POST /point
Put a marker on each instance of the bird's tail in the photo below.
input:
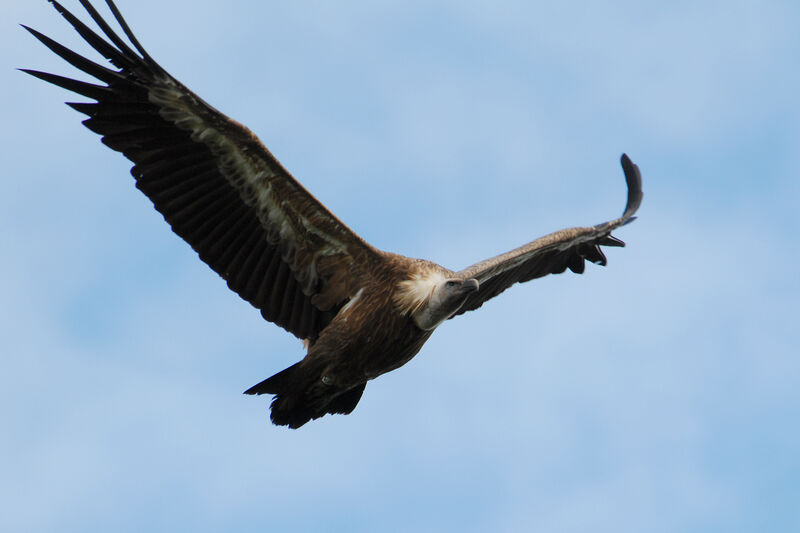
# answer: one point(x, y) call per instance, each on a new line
point(301, 395)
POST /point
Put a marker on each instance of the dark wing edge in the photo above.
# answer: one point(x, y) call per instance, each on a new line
point(215, 183)
point(553, 253)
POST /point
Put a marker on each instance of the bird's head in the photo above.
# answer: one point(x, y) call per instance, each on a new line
point(432, 299)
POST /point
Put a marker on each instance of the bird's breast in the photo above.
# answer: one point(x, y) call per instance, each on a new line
point(369, 337)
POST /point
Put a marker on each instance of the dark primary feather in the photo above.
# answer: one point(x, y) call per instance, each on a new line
point(554, 253)
point(190, 184)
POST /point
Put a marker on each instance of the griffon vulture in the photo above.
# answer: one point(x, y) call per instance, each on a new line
point(360, 311)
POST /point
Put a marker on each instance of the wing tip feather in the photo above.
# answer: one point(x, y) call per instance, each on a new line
point(633, 178)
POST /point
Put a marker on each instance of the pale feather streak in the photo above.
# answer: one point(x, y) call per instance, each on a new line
point(253, 185)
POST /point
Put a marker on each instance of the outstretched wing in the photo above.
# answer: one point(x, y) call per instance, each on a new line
point(217, 186)
point(554, 253)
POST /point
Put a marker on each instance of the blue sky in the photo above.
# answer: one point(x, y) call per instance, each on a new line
point(657, 394)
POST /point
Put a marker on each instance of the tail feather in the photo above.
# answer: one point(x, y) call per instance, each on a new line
point(301, 396)
point(346, 401)
point(291, 411)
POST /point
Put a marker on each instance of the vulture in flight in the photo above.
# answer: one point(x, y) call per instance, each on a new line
point(360, 311)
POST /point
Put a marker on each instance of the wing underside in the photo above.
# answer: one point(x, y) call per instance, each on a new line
point(553, 253)
point(214, 182)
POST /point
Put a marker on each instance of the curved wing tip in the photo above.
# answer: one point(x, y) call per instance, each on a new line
point(633, 178)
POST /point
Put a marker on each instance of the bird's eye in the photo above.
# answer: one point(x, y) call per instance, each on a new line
point(451, 283)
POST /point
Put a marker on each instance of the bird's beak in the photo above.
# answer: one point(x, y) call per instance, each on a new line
point(470, 285)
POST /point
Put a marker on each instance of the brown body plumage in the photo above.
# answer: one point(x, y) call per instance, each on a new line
point(369, 336)
point(362, 312)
